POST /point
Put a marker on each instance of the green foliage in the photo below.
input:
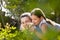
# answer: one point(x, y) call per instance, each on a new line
point(5, 33)
point(20, 6)
point(52, 34)
point(48, 6)
point(10, 33)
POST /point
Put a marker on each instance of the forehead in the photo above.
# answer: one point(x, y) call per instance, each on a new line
point(34, 16)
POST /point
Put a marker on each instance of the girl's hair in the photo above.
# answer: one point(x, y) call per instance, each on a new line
point(38, 12)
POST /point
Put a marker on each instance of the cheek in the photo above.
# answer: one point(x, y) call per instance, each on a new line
point(34, 20)
point(37, 22)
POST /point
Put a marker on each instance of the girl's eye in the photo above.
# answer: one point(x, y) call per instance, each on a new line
point(34, 19)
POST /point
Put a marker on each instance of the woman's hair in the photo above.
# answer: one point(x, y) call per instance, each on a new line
point(38, 12)
point(26, 14)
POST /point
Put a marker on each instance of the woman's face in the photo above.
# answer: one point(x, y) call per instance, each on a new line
point(25, 21)
point(36, 20)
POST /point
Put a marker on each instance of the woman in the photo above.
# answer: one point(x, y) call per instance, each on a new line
point(26, 21)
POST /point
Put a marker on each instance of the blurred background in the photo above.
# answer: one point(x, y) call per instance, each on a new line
point(10, 10)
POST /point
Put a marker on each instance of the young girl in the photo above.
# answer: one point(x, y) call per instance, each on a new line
point(38, 18)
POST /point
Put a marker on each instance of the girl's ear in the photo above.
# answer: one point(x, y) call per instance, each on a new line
point(41, 17)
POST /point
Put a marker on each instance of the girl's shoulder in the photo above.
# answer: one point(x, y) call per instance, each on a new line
point(43, 22)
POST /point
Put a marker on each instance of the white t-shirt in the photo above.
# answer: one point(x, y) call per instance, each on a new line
point(42, 22)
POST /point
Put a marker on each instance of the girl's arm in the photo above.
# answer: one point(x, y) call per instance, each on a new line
point(44, 28)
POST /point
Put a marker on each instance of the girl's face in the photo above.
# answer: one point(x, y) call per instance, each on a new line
point(25, 21)
point(36, 20)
